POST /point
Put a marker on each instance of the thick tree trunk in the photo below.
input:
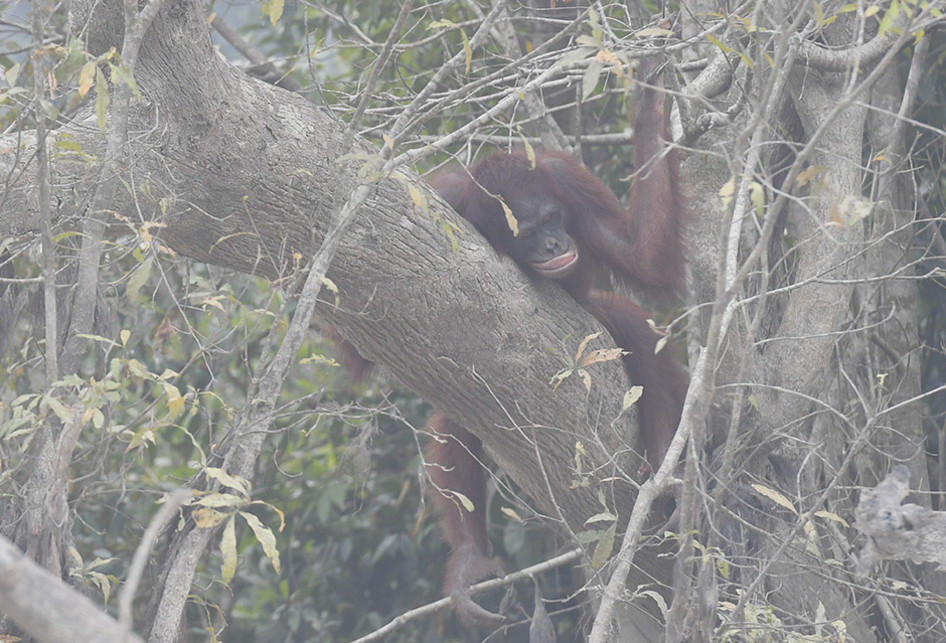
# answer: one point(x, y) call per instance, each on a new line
point(815, 371)
point(248, 175)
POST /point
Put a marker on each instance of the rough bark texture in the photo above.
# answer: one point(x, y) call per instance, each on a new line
point(29, 595)
point(251, 174)
point(803, 364)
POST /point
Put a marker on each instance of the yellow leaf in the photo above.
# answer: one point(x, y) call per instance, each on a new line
point(601, 355)
point(236, 483)
point(584, 344)
point(220, 501)
point(726, 192)
point(828, 515)
point(511, 513)
point(511, 220)
point(273, 10)
point(811, 533)
point(101, 581)
point(228, 550)
point(560, 377)
point(101, 98)
point(86, 78)
point(530, 152)
point(467, 50)
point(137, 369)
point(775, 497)
point(418, 198)
point(459, 497)
point(810, 173)
point(205, 517)
point(757, 197)
point(175, 400)
point(212, 301)
point(330, 286)
point(713, 39)
point(631, 396)
point(889, 19)
point(265, 537)
point(585, 378)
point(659, 346)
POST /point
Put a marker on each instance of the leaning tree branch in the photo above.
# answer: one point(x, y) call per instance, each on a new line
point(249, 178)
point(866, 54)
point(46, 608)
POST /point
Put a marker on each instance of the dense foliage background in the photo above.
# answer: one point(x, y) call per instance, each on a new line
point(338, 497)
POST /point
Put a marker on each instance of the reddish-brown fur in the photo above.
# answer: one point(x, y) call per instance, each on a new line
point(641, 248)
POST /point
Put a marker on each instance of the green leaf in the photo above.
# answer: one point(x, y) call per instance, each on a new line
point(886, 23)
point(575, 56)
point(11, 74)
point(605, 516)
point(57, 407)
point(589, 80)
point(560, 377)
point(604, 548)
point(101, 581)
point(138, 279)
point(437, 24)
point(595, 20)
point(273, 9)
point(722, 566)
point(120, 73)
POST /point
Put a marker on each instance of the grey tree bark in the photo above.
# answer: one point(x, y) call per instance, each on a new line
point(818, 370)
point(805, 354)
point(246, 176)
